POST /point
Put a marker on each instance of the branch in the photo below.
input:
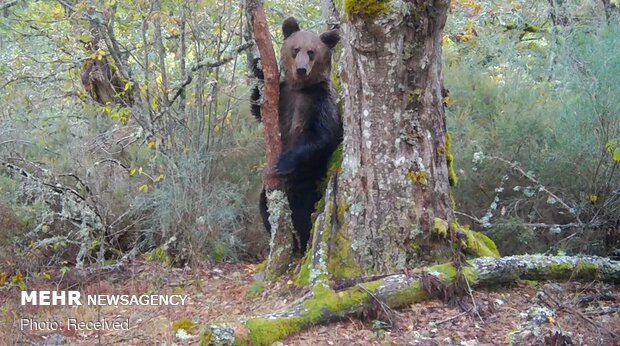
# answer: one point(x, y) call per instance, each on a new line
point(209, 64)
point(402, 290)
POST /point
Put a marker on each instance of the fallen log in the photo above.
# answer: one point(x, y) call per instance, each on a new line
point(326, 305)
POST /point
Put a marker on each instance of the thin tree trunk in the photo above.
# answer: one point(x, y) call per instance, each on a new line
point(161, 53)
point(280, 254)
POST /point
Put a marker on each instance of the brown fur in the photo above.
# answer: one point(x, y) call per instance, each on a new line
point(310, 125)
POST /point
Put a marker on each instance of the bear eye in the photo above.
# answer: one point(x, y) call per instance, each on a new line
point(311, 54)
point(295, 51)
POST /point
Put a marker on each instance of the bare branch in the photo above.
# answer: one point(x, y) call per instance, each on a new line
point(209, 64)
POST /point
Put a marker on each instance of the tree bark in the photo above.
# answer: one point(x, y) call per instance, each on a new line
point(280, 253)
point(402, 290)
point(392, 206)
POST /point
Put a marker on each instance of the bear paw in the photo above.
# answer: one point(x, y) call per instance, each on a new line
point(287, 164)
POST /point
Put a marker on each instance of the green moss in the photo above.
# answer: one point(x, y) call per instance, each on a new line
point(452, 177)
point(261, 266)
point(335, 161)
point(440, 226)
point(160, 255)
point(256, 289)
point(336, 81)
point(333, 167)
point(303, 277)
point(418, 177)
point(476, 243)
point(327, 303)
point(479, 244)
point(407, 296)
point(341, 263)
point(414, 95)
point(560, 271)
point(205, 338)
point(184, 324)
point(324, 303)
point(365, 7)
point(586, 270)
point(564, 270)
point(531, 283)
point(447, 273)
point(265, 331)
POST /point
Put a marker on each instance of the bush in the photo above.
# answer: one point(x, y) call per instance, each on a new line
point(540, 115)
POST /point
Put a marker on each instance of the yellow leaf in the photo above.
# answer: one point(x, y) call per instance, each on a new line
point(133, 171)
point(448, 101)
point(140, 170)
point(217, 129)
point(593, 198)
point(159, 80)
point(58, 12)
point(154, 105)
point(228, 119)
point(159, 178)
point(18, 279)
point(143, 188)
point(151, 144)
point(139, 45)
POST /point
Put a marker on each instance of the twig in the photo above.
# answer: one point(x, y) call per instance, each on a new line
point(14, 141)
point(453, 317)
point(528, 176)
point(559, 305)
point(209, 64)
point(386, 309)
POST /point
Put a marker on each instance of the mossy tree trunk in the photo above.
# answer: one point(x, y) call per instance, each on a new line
point(393, 189)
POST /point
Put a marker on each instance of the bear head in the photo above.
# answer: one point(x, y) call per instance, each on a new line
point(306, 57)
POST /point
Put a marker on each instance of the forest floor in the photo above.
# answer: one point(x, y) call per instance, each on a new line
point(587, 313)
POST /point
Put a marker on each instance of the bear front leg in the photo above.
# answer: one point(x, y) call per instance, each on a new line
point(312, 149)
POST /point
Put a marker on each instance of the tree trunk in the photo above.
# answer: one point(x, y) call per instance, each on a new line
point(395, 175)
point(280, 246)
point(390, 207)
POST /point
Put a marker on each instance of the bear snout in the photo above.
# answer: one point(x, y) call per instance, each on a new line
point(302, 72)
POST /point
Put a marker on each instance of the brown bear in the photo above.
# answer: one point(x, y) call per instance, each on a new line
point(310, 124)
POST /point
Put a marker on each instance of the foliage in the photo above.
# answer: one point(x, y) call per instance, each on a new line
point(535, 105)
point(170, 155)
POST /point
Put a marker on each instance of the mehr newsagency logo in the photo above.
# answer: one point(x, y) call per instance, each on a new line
point(75, 298)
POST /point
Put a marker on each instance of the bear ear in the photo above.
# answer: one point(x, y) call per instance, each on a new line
point(330, 38)
point(289, 27)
